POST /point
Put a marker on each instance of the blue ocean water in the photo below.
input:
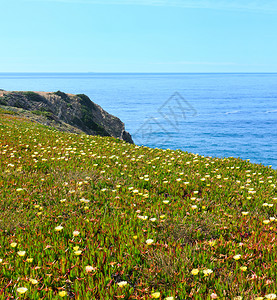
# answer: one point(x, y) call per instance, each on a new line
point(213, 114)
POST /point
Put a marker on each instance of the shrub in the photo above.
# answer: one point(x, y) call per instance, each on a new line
point(3, 101)
point(63, 95)
point(85, 101)
point(31, 96)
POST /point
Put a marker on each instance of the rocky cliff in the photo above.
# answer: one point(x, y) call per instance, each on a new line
point(75, 113)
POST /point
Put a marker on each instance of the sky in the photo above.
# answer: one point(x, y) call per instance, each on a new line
point(138, 36)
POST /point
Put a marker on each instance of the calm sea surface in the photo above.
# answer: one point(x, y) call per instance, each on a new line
point(211, 114)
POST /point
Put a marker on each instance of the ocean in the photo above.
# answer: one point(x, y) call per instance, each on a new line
point(212, 114)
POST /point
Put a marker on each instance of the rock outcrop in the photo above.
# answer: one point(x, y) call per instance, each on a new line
point(66, 112)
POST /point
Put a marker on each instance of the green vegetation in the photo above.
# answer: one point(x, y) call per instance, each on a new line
point(7, 111)
point(63, 95)
point(42, 113)
point(87, 120)
point(32, 96)
point(86, 102)
point(89, 217)
point(3, 101)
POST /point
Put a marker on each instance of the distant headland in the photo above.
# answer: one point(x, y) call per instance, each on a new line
point(66, 112)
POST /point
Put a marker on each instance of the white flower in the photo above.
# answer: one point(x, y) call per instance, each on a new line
point(84, 200)
point(22, 290)
point(58, 228)
point(143, 217)
point(122, 283)
point(33, 281)
point(245, 213)
point(90, 269)
point(149, 241)
point(207, 272)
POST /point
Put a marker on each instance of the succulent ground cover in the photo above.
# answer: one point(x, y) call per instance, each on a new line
point(87, 217)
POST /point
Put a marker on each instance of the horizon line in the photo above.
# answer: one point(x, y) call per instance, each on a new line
point(112, 72)
point(269, 7)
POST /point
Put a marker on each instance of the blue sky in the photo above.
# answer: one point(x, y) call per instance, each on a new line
point(138, 36)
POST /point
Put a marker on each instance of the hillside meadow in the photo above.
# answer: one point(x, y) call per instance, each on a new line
point(87, 217)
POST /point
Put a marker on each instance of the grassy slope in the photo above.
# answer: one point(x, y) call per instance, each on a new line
point(118, 196)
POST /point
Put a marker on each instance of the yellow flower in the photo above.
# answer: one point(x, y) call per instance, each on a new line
point(245, 213)
point(162, 216)
point(212, 243)
point(237, 257)
point(21, 253)
point(238, 298)
point(79, 252)
point(259, 298)
point(166, 201)
point(58, 228)
point(266, 221)
point(244, 268)
point(135, 237)
point(169, 298)
point(156, 295)
point(13, 245)
point(122, 283)
point(194, 271)
point(29, 259)
point(76, 248)
point(63, 293)
point(22, 290)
